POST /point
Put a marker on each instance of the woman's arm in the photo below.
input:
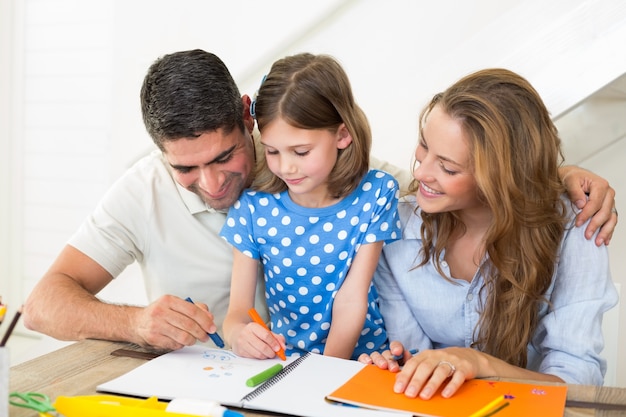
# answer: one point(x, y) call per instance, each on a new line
point(425, 372)
point(566, 345)
point(569, 339)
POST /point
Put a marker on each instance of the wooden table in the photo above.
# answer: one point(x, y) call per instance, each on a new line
point(78, 368)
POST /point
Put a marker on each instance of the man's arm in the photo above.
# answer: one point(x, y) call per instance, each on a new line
point(593, 195)
point(64, 305)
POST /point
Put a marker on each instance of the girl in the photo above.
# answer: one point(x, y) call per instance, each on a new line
point(316, 217)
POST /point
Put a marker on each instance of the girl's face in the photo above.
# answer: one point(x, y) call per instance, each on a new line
point(303, 159)
point(444, 172)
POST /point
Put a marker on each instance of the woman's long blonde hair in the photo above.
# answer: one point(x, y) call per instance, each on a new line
point(515, 154)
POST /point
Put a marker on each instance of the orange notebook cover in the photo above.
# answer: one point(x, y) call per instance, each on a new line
point(373, 388)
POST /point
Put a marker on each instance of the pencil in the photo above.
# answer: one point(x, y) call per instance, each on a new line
point(497, 410)
point(257, 319)
point(11, 327)
point(489, 407)
point(3, 311)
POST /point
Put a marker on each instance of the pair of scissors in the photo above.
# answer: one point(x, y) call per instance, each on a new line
point(35, 401)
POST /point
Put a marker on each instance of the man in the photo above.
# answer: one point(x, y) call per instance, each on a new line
point(167, 210)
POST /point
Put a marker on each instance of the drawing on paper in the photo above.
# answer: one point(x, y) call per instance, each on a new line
point(222, 363)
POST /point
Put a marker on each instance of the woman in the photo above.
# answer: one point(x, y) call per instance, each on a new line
point(491, 278)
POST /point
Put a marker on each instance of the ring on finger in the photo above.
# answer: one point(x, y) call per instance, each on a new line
point(614, 210)
point(452, 367)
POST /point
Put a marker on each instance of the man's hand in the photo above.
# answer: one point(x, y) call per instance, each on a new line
point(171, 323)
point(595, 197)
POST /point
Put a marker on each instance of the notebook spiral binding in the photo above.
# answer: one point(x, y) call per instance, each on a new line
point(273, 380)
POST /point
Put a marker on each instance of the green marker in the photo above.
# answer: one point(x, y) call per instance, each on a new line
point(264, 376)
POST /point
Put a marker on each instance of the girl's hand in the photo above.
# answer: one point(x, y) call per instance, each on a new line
point(252, 340)
point(424, 373)
point(390, 359)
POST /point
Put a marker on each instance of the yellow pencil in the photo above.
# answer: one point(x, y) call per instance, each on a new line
point(493, 404)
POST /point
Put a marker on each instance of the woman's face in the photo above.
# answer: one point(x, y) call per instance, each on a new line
point(446, 180)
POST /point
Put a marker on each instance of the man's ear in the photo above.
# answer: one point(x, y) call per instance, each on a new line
point(344, 138)
point(248, 120)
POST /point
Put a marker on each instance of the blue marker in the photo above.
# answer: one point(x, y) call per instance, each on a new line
point(214, 336)
point(400, 356)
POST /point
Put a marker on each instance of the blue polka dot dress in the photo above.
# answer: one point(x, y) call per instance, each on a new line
point(306, 254)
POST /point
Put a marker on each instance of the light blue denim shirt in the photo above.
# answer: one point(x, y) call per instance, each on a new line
point(425, 311)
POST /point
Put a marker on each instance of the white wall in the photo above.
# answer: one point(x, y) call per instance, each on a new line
point(6, 117)
point(76, 69)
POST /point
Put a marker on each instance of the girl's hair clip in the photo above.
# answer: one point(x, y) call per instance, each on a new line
point(253, 104)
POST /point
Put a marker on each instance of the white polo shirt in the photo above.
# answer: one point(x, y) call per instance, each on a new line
point(146, 216)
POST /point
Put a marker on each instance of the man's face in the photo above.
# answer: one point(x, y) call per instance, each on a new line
point(215, 166)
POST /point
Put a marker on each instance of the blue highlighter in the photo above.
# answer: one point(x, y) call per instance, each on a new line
point(215, 337)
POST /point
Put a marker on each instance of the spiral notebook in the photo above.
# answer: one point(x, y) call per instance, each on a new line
point(206, 373)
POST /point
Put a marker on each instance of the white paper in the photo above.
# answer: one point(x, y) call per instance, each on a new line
point(203, 373)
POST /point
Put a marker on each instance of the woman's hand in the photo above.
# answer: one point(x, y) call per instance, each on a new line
point(426, 372)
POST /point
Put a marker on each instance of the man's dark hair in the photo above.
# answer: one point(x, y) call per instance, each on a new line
point(188, 93)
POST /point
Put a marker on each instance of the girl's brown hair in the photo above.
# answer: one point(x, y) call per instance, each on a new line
point(313, 92)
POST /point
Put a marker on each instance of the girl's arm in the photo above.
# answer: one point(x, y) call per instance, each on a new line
point(350, 306)
point(246, 338)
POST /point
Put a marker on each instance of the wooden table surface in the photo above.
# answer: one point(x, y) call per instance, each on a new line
point(78, 368)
